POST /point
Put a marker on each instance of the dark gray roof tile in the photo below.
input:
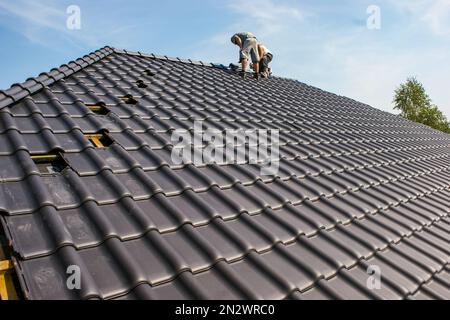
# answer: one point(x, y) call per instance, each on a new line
point(358, 276)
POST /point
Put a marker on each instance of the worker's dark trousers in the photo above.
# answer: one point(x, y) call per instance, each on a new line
point(264, 62)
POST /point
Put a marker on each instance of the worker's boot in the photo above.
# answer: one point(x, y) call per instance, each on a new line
point(234, 67)
point(243, 74)
point(257, 76)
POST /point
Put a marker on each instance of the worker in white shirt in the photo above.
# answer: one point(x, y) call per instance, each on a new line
point(266, 57)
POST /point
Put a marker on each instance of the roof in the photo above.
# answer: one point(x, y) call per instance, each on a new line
point(358, 190)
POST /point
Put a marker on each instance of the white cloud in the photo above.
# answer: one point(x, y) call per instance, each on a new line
point(36, 13)
point(434, 14)
point(410, 6)
point(266, 11)
point(438, 17)
point(34, 20)
point(266, 16)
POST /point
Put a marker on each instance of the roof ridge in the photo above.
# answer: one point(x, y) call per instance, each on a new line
point(188, 61)
point(18, 91)
point(167, 58)
point(216, 65)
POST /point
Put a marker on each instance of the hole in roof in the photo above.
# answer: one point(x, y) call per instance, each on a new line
point(98, 108)
point(3, 249)
point(100, 140)
point(149, 73)
point(141, 84)
point(128, 99)
point(48, 164)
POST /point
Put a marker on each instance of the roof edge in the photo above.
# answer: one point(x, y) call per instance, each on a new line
point(188, 61)
point(18, 91)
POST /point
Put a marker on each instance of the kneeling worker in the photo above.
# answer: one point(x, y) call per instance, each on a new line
point(248, 45)
point(266, 57)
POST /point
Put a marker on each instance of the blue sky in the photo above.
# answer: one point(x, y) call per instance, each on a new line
point(323, 43)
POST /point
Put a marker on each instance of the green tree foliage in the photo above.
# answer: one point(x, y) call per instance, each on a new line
point(415, 105)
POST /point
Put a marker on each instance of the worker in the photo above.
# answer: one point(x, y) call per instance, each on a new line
point(248, 45)
point(266, 57)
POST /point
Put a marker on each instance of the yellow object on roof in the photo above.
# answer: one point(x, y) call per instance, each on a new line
point(95, 139)
point(7, 289)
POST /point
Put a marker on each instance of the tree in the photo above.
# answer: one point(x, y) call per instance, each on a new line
point(415, 105)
